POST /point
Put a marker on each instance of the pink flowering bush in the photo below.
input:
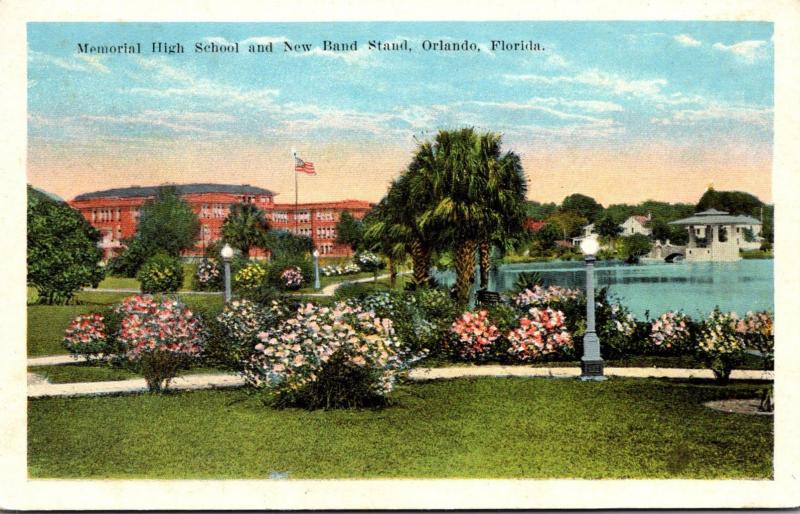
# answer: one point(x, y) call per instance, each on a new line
point(671, 333)
point(474, 335)
point(86, 336)
point(161, 337)
point(757, 330)
point(328, 357)
point(541, 332)
point(292, 278)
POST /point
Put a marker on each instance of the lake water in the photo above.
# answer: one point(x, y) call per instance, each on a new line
point(694, 287)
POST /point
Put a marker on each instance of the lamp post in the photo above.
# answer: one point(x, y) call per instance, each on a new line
point(591, 362)
point(315, 253)
point(227, 254)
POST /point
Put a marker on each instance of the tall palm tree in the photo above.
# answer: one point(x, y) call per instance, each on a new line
point(476, 195)
point(245, 227)
point(377, 235)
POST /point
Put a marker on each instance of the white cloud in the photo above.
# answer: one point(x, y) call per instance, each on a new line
point(84, 63)
point(744, 114)
point(601, 80)
point(556, 61)
point(687, 40)
point(747, 51)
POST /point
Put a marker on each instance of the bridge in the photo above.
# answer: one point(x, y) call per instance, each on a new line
point(665, 251)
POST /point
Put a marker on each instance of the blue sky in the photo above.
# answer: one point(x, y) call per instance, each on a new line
point(695, 90)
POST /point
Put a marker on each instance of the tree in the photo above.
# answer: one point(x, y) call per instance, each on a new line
point(539, 211)
point(585, 206)
point(63, 256)
point(377, 234)
point(569, 223)
point(547, 236)
point(733, 202)
point(660, 231)
point(167, 223)
point(470, 185)
point(284, 244)
point(635, 246)
point(607, 227)
point(245, 227)
point(349, 231)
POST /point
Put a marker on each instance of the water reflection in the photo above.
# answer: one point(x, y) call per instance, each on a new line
point(694, 287)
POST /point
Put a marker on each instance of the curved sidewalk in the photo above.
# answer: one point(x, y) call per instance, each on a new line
point(39, 387)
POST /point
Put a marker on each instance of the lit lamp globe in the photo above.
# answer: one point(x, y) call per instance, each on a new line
point(590, 246)
point(226, 252)
point(315, 253)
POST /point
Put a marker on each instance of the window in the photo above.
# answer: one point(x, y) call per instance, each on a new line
point(302, 216)
point(280, 216)
point(325, 215)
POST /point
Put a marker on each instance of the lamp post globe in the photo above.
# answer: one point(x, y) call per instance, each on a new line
point(591, 362)
point(227, 254)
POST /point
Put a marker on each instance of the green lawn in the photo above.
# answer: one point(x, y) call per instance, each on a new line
point(132, 283)
point(633, 361)
point(465, 428)
point(46, 323)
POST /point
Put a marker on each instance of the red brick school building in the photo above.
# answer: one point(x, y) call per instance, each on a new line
point(115, 213)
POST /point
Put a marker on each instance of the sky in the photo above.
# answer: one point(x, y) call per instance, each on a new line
point(620, 111)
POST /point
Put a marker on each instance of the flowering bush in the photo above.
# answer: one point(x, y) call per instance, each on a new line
point(540, 333)
point(757, 329)
point(292, 278)
point(329, 357)
point(86, 336)
point(232, 334)
point(161, 274)
point(208, 276)
point(540, 296)
point(348, 269)
point(475, 335)
point(250, 276)
point(368, 261)
point(161, 337)
point(670, 332)
point(720, 345)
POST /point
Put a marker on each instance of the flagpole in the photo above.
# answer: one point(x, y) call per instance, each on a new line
point(296, 221)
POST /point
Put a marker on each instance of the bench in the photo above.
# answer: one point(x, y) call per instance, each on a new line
point(488, 297)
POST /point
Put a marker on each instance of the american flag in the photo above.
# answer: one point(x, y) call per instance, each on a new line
point(302, 166)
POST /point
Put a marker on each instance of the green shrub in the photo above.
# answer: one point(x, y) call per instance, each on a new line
point(358, 290)
point(250, 276)
point(161, 274)
point(278, 265)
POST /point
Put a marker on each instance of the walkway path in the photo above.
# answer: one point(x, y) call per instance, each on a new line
point(38, 387)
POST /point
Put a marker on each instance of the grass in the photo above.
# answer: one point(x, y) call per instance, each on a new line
point(85, 372)
point(46, 323)
point(756, 254)
point(113, 282)
point(465, 428)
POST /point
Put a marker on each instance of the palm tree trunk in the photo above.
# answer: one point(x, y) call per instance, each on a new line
point(392, 273)
point(465, 267)
point(485, 250)
point(421, 259)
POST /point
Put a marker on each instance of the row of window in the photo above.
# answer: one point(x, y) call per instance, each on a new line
point(105, 214)
point(214, 210)
point(325, 248)
point(326, 233)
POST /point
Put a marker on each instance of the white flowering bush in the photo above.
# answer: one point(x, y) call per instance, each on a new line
point(328, 357)
point(670, 333)
point(541, 332)
point(208, 276)
point(332, 271)
point(292, 278)
point(540, 296)
point(720, 345)
point(368, 261)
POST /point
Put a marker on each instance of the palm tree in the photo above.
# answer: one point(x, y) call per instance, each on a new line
point(477, 196)
point(377, 235)
point(245, 227)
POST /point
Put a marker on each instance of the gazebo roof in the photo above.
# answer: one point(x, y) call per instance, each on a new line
point(715, 217)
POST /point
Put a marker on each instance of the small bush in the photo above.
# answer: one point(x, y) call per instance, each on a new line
point(278, 267)
point(474, 335)
point(161, 274)
point(305, 361)
point(541, 332)
point(249, 277)
point(86, 336)
point(162, 337)
point(292, 278)
point(671, 334)
point(757, 330)
point(208, 276)
point(719, 345)
point(368, 261)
